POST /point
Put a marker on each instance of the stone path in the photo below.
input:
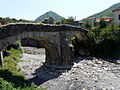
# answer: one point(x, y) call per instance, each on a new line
point(88, 73)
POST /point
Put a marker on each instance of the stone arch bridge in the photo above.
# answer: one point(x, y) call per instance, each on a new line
point(55, 38)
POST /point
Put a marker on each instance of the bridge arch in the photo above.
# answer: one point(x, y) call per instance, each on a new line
point(55, 39)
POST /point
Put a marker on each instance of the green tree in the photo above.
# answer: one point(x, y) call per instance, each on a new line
point(102, 23)
point(86, 25)
point(105, 42)
point(66, 21)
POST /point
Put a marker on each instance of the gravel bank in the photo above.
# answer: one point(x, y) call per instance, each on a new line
point(32, 59)
point(86, 74)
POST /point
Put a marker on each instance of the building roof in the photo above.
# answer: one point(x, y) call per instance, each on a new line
point(106, 18)
point(117, 9)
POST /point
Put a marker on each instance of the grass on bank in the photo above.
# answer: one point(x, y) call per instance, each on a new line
point(10, 76)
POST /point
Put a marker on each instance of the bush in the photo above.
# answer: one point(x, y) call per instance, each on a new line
point(101, 42)
point(4, 85)
point(66, 21)
point(10, 76)
point(16, 45)
point(105, 42)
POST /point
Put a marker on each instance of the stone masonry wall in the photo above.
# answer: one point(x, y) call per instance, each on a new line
point(55, 38)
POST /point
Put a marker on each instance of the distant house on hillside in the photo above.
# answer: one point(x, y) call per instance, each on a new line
point(107, 19)
point(116, 15)
point(95, 22)
point(48, 20)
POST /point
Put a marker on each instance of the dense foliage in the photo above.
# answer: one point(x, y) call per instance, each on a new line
point(12, 20)
point(102, 41)
point(66, 21)
point(105, 42)
point(86, 25)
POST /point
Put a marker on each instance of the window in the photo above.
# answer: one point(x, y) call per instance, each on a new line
point(118, 17)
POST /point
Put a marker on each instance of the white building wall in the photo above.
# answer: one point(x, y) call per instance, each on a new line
point(116, 17)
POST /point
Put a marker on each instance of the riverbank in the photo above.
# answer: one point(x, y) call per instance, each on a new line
point(10, 76)
point(87, 73)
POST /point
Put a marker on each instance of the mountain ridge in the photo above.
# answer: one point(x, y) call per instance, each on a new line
point(106, 12)
point(52, 14)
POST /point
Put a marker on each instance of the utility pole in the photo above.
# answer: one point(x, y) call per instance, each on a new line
point(1, 58)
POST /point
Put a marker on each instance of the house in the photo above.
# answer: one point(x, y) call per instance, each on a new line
point(95, 22)
point(116, 15)
point(48, 20)
point(107, 19)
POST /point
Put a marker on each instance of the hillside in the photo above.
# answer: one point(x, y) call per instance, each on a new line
point(54, 15)
point(107, 12)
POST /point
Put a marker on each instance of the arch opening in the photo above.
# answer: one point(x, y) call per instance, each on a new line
point(52, 55)
point(51, 51)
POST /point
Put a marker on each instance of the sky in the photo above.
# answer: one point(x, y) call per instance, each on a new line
point(31, 9)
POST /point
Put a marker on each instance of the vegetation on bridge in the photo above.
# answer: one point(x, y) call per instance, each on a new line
point(12, 20)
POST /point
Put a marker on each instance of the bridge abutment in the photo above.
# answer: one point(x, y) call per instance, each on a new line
point(61, 56)
point(66, 53)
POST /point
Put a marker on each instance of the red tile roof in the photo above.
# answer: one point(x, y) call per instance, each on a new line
point(106, 18)
point(117, 9)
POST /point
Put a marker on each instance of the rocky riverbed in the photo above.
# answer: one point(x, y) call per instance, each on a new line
point(87, 73)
